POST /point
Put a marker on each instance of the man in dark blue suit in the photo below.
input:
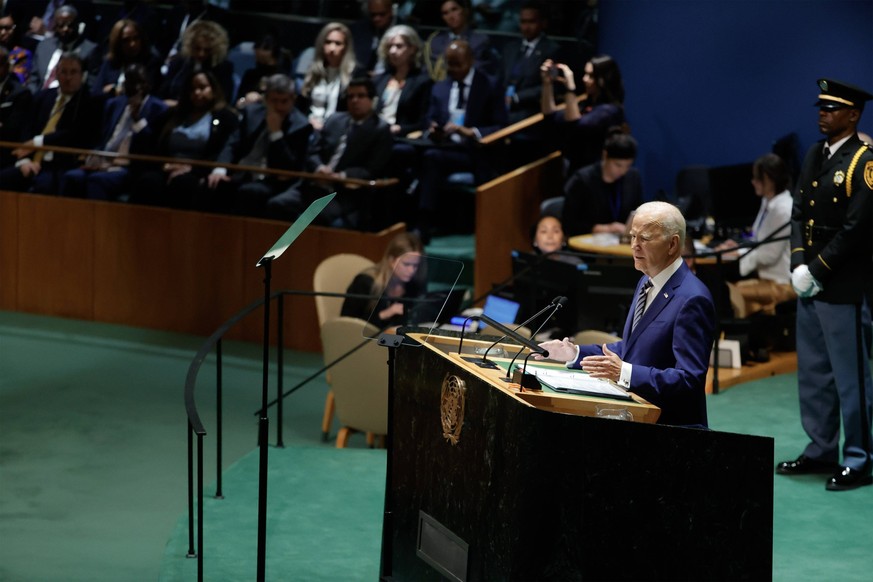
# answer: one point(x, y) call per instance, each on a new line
point(127, 117)
point(663, 355)
point(464, 108)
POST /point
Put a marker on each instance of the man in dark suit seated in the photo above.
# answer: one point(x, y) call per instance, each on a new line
point(664, 352)
point(15, 103)
point(64, 116)
point(464, 108)
point(126, 117)
point(352, 144)
point(66, 39)
point(272, 134)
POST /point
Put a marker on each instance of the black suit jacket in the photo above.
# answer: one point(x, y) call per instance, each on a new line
point(523, 73)
point(839, 204)
point(367, 150)
point(288, 153)
point(588, 200)
point(15, 108)
point(485, 108)
point(414, 99)
point(78, 126)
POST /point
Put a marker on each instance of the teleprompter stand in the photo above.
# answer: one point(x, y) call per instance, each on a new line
point(266, 262)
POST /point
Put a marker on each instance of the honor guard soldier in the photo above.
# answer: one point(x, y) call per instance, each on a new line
point(832, 272)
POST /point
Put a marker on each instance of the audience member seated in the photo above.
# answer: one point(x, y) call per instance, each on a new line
point(548, 235)
point(144, 14)
point(352, 144)
point(126, 117)
point(197, 128)
point(66, 39)
point(456, 15)
point(581, 128)
point(333, 66)
point(270, 59)
point(464, 108)
point(37, 17)
point(764, 269)
point(65, 116)
point(392, 278)
point(522, 59)
point(204, 48)
point(176, 23)
point(15, 104)
point(600, 197)
point(128, 45)
point(20, 58)
point(368, 32)
point(271, 134)
point(404, 88)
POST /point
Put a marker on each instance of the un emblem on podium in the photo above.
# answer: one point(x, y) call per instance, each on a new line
point(454, 394)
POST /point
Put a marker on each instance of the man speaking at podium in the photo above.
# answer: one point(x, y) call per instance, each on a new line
point(664, 352)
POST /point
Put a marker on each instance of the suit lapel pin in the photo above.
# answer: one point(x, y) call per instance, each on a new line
point(666, 296)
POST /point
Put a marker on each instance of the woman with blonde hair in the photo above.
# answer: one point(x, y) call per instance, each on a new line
point(395, 276)
point(204, 48)
point(333, 66)
point(404, 88)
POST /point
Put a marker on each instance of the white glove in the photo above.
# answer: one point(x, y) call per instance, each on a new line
point(805, 285)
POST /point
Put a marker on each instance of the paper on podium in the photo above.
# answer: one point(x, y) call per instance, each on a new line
point(295, 229)
point(578, 383)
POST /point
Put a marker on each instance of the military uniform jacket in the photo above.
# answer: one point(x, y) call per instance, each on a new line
point(832, 218)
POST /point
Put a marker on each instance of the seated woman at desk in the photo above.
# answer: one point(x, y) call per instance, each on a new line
point(599, 197)
point(393, 277)
point(770, 261)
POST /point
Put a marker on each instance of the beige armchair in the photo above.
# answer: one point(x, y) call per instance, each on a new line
point(334, 275)
point(593, 336)
point(360, 381)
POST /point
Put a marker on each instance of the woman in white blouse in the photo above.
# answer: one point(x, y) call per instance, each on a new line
point(766, 266)
point(333, 66)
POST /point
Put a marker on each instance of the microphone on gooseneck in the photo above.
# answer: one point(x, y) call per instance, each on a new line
point(558, 303)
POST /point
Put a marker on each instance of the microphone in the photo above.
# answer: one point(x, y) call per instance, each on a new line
point(529, 380)
point(557, 302)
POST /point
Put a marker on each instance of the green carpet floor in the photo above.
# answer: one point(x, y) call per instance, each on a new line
point(93, 468)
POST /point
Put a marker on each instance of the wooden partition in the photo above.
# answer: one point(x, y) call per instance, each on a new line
point(506, 209)
point(159, 268)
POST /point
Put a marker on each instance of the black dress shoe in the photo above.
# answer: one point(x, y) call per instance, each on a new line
point(848, 479)
point(803, 465)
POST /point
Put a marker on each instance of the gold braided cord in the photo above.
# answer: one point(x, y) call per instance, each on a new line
point(435, 68)
point(852, 165)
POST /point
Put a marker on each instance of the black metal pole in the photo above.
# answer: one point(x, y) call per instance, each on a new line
point(280, 370)
point(199, 508)
point(718, 301)
point(191, 552)
point(218, 415)
point(263, 432)
point(392, 342)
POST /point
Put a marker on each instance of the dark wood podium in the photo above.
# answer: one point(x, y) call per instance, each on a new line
point(485, 483)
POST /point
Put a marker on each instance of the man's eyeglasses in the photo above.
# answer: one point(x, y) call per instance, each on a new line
point(5, 27)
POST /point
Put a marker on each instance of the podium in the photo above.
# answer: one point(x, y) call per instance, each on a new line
point(486, 483)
